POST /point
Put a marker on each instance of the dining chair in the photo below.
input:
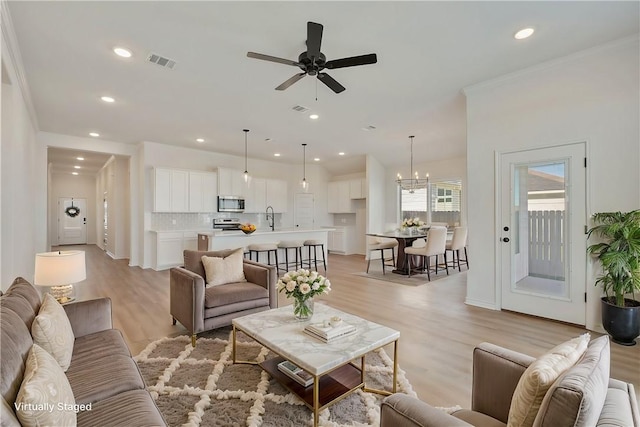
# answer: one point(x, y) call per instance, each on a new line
point(457, 242)
point(381, 244)
point(436, 245)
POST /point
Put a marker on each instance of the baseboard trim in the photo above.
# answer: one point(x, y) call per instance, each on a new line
point(481, 304)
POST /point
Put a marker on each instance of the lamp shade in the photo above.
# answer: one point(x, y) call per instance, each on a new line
point(60, 268)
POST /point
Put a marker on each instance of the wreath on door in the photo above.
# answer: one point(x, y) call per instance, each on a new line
point(72, 211)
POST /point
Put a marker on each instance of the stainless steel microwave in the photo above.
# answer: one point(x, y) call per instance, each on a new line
point(230, 204)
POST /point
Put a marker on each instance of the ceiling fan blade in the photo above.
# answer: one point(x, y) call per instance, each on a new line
point(291, 81)
point(331, 82)
point(352, 61)
point(314, 39)
point(272, 59)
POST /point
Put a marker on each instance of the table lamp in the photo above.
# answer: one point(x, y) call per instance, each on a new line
point(60, 270)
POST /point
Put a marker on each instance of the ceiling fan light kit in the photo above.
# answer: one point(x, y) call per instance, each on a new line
point(312, 62)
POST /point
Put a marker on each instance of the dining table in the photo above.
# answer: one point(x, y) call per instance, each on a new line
point(405, 238)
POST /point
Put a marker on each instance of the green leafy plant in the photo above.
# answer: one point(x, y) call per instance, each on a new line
point(618, 252)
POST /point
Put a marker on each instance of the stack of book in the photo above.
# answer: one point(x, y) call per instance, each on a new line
point(330, 333)
point(295, 373)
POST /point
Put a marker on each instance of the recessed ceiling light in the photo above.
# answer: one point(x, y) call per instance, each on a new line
point(94, 134)
point(276, 154)
point(314, 117)
point(341, 154)
point(76, 167)
point(80, 158)
point(107, 99)
point(120, 51)
point(524, 33)
point(317, 159)
point(74, 173)
point(200, 140)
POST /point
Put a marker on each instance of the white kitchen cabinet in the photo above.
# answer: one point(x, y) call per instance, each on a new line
point(357, 189)
point(276, 195)
point(203, 191)
point(256, 198)
point(171, 190)
point(231, 182)
point(169, 250)
point(339, 197)
point(342, 240)
point(336, 241)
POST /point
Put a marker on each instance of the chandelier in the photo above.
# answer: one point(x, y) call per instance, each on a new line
point(415, 183)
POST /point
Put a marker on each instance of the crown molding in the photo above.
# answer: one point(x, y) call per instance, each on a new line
point(616, 44)
point(11, 56)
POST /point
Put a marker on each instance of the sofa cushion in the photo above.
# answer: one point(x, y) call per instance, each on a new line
point(539, 376)
point(43, 390)
point(131, 408)
point(230, 293)
point(577, 397)
point(20, 306)
point(16, 343)
point(477, 418)
point(21, 286)
point(52, 331)
point(220, 271)
point(7, 416)
point(103, 343)
point(100, 377)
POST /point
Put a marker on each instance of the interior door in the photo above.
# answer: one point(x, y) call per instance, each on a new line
point(542, 241)
point(303, 210)
point(72, 221)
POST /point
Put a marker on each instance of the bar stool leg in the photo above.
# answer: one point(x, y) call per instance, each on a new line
point(324, 258)
point(315, 256)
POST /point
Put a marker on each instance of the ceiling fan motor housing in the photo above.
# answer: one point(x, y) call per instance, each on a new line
point(309, 66)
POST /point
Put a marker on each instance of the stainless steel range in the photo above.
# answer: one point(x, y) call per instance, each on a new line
point(226, 224)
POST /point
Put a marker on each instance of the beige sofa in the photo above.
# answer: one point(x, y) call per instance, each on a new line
point(102, 371)
point(200, 309)
point(584, 396)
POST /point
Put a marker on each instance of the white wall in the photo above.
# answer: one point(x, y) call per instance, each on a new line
point(23, 205)
point(592, 96)
point(78, 187)
point(113, 179)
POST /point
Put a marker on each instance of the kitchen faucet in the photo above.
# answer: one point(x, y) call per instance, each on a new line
point(271, 218)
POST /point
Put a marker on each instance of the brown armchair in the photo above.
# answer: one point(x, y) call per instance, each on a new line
point(201, 309)
point(584, 396)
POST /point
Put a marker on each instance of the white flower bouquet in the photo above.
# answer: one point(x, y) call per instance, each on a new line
point(412, 222)
point(303, 285)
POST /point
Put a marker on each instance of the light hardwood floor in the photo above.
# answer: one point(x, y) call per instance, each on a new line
point(438, 331)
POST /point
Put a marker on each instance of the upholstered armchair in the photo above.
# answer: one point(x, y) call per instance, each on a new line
point(200, 308)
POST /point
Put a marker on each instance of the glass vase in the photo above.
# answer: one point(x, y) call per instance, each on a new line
point(303, 308)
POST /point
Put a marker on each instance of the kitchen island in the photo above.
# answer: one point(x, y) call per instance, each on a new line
point(169, 244)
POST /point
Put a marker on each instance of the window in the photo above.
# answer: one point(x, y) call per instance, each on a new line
point(439, 203)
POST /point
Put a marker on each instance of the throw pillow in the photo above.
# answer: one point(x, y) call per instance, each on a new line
point(220, 271)
point(539, 376)
point(52, 331)
point(45, 392)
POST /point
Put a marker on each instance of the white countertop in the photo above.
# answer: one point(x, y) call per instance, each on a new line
point(238, 233)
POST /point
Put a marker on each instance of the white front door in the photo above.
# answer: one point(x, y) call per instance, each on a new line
point(303, 210)
point(72, 221)
point(542, 241)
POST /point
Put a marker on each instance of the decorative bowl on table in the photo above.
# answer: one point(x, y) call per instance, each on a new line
point(248, 228)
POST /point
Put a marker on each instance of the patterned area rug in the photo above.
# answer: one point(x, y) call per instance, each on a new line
point(202, 387)
point(414, 280)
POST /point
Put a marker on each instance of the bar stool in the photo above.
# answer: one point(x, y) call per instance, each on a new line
point(257, 248)
point(381, 245)
point(296, 245)
point(314, 244)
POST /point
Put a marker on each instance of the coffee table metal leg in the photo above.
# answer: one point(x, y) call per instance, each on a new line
point(316, 400)
point(234, 351)
point(233, 345)
point(395, 374)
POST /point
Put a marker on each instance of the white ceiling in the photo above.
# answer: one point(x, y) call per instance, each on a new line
point(427, 52)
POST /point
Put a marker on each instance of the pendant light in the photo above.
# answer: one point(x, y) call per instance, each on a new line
point(246, 172)
point(415, 183)
point(304, 183)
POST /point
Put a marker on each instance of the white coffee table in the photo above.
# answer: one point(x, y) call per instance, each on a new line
point(330, 364)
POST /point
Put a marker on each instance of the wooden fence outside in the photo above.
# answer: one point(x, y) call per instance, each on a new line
point(546, 244)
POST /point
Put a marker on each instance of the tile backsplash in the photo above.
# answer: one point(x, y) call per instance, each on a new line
point(199, 221)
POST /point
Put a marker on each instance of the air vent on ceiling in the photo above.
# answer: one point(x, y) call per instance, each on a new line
point(300, 108)
point(161, 61)
point(368, 128)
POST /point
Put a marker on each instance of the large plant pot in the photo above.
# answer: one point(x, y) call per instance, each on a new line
point(622, 323)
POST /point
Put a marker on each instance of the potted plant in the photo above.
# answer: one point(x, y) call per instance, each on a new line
point(619, 254)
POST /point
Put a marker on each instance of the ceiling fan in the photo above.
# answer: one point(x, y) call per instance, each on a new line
point(312, 62)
